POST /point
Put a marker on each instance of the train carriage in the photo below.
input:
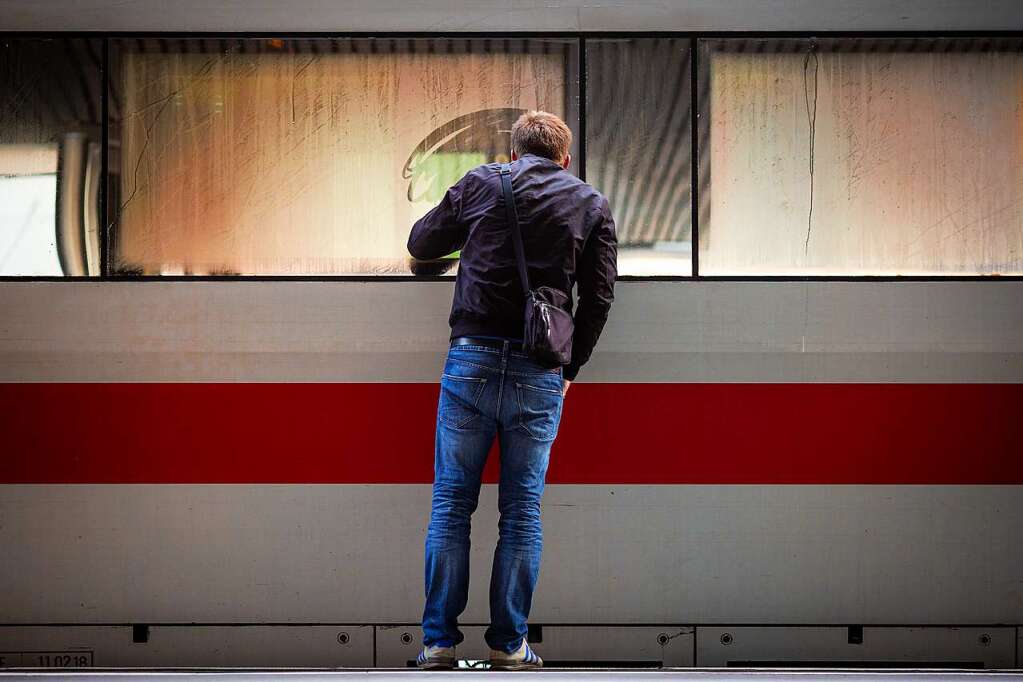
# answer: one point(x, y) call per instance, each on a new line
point(798, 441)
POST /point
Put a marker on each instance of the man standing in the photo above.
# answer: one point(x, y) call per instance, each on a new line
point(490, 386)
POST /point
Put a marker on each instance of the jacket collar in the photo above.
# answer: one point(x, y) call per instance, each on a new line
point(535, 158)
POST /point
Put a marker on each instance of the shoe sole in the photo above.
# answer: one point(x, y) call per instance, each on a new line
point(515, 666)
point(437, 665)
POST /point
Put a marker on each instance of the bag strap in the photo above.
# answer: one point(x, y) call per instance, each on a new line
point(513, 223)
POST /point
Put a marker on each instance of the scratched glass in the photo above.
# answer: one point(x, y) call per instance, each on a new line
point(638, 148)
point(861, 157)
point(308, 157)
point(50, 110)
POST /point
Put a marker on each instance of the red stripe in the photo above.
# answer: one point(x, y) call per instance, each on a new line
point(610, 433)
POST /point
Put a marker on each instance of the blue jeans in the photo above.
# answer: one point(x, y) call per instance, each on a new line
point(487, 392)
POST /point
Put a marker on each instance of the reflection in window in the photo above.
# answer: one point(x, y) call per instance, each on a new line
point(865, 156)
point(28, 218)
point(638, 148)
point(49, 156)
point(313, 156)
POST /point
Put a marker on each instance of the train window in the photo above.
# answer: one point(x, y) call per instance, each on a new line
point(50, 109)
point(638, 148)
point(307, 157)
point(845, 156)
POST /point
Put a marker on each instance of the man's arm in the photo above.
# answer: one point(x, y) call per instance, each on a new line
point(440, 231)
point(595, 278)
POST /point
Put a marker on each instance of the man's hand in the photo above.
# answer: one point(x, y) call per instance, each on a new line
point(564, 387)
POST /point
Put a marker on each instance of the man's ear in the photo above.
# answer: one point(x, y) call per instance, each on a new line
point(567, 161)
point(515, 157)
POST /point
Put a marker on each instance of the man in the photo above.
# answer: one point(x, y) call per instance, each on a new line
point(490, 387)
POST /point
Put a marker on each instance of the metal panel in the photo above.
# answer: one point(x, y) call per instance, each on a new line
point(559, 645)
point(188, 646)
point(615, 555)
point(657, 332)
point(512, 15)
point(988, 647)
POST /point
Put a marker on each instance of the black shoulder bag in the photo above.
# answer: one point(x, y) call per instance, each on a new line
point(549, 325)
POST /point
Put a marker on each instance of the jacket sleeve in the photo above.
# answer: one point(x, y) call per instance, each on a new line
point(595, 277)
point(441, 231)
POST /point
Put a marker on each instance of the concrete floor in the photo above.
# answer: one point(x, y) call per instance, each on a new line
point(551, 675)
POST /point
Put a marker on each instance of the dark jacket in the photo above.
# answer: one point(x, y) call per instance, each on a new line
point(569, 238)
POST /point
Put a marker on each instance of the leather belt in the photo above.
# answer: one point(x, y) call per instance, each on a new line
point(497, 344)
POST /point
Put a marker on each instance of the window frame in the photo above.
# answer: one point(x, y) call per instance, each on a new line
point(580, 37)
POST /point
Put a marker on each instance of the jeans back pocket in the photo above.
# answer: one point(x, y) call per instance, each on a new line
point(539, 410)
point(459, 400)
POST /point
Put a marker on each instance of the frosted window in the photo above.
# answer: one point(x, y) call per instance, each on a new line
point(638, 148)
point(28, 191)
point(309, 157)
point(874, 156)
point(49, 123)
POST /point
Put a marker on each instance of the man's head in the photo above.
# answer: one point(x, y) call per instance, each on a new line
point(542, 134)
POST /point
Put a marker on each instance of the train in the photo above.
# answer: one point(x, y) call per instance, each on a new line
point(798, 441)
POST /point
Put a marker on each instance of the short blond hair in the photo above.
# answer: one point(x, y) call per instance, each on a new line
point(541, 133)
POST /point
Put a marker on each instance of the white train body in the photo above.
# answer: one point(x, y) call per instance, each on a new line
point(208, 473)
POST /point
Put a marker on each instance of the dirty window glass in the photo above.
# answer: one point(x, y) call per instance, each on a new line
point(861, 156)
point(308, 157)
point(638, 148)
point(50, 110)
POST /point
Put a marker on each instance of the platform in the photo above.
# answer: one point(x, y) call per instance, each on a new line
point(549, 675)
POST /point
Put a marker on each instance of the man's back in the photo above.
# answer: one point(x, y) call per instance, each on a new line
point(569, 238)
point(491, 387)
